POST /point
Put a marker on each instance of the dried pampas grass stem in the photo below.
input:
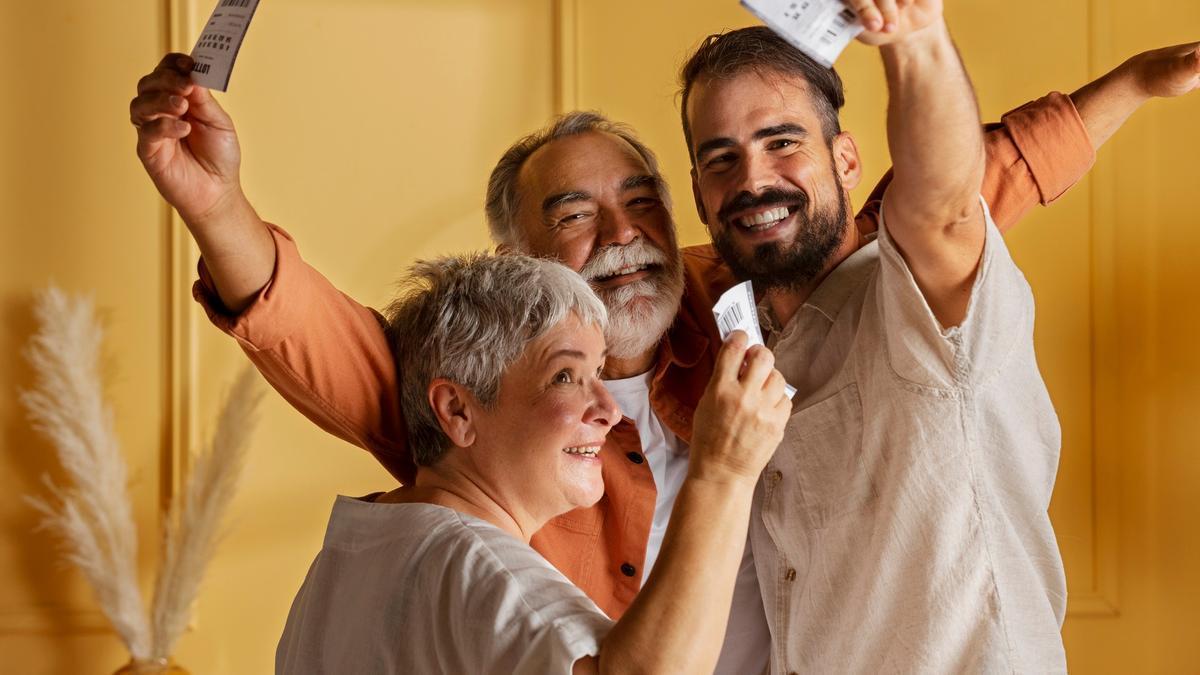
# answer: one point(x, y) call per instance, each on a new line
point(92, 514)
point(193, 523)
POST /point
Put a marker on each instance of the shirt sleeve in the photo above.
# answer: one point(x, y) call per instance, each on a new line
point(323, 352)
point(525, 617)
point(1034, 155)
point(999, 318)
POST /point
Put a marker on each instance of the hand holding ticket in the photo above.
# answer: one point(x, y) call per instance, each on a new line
point(218, 46)
point(736, 310)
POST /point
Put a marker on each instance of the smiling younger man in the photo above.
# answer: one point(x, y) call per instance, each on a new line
point(902, 525)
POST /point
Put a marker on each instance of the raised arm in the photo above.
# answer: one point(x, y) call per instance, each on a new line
point(931, 209)
point(677, 622)
point(1039, 150)
point(1105, 103)
point(1035, 154)
point(189, 147)
point(323, 352)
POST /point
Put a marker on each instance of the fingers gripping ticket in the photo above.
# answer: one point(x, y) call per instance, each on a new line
point(164, 92)
point(736, 311)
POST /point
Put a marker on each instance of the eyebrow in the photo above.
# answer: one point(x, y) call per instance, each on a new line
point(638, 182)
point(554, 201)
point(787, 128)
point(632, 183)
point(574, 353)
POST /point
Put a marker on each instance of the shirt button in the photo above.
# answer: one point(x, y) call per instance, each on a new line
point(776, 476)
point(628, 570)
point(635, 458)
point(790, 575)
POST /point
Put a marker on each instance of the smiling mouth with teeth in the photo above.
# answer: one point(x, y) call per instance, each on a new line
point(590, 451)
point(631, 269)
point(764, 221)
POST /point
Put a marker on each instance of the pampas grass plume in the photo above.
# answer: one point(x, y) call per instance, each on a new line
point(91, 515)
point(193, 522)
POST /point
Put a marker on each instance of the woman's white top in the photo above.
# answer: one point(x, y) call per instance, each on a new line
point(418, 588)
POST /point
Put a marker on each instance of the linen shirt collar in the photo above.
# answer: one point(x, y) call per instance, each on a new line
point(831, 295)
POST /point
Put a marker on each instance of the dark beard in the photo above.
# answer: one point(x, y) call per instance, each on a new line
point(774, 265)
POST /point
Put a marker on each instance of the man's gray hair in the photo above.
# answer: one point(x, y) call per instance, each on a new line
point(467, 318)
point(503, 197)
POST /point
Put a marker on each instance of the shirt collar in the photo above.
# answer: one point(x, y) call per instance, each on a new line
point(837, 287)
point(682, 346)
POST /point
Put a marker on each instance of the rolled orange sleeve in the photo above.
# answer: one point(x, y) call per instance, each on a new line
point(323, 352)
point(1054, 143)
point(1034, 155)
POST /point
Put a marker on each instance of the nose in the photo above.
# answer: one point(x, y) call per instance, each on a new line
point(617, 227)
point(604, 410)
point(755, 173)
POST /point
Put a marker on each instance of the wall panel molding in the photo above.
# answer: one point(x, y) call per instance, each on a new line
point(180, 356)
point(566, 55)
point(182, 349)
point(1102, 599)
point(54, 621)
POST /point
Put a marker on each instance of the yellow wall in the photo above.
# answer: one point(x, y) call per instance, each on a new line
point(368, 130)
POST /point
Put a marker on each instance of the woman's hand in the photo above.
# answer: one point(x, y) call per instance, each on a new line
point(740, 419)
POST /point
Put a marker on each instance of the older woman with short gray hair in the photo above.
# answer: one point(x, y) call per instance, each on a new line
point(499, 362)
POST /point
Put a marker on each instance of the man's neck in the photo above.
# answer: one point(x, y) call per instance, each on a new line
point(785, 302)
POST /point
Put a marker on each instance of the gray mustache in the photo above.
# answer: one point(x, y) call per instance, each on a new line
point(612, 259)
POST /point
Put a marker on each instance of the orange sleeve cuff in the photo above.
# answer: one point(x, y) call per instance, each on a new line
point(269, 319)
point(1053, 142)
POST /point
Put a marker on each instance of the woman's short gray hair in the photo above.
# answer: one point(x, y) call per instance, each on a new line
point(467, 318)
point(503, 197)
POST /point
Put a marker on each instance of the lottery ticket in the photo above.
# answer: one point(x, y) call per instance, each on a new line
point(736, 310)
point(819, 28)
point(218, 46)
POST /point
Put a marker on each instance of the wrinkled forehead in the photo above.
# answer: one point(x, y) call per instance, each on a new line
point(591, 162)
point(572, 338)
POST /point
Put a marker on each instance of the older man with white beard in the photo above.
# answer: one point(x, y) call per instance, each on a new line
point(583, 190)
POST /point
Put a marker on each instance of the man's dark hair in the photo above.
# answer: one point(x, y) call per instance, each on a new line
point(758, 48)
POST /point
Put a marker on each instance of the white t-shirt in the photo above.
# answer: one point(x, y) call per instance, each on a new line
point(418, 588)
point(747, 646)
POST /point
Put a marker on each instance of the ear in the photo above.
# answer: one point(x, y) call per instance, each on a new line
point(846, 160)
point(696, 196)
point(452, 405)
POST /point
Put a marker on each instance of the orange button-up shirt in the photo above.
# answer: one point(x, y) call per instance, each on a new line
point(328, 356)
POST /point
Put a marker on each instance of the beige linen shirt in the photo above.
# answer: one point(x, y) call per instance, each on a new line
point(902, 526)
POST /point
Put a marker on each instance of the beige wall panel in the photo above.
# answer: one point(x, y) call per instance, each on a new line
point(1145, 205)
point(75, 212)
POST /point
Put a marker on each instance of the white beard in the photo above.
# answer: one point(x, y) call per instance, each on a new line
point(639, 314)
